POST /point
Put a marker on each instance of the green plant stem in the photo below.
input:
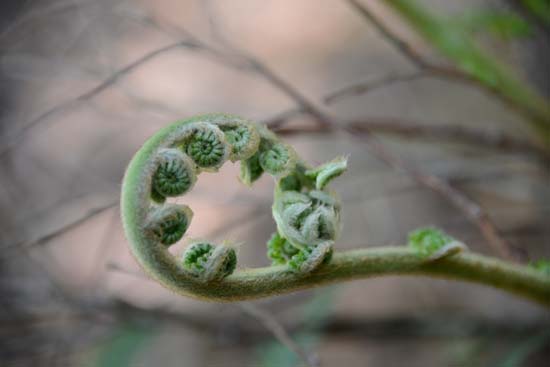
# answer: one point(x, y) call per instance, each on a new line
point(359, 264)
point(161, 265)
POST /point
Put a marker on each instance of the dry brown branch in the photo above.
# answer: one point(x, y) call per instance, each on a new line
point(373, 84)
point(8, 141)
point(177, 32)
point(117, 268)
point(484, 139)
point(275, 327)
point(473, 211)
point(186, 40)
point(253, 214)
point(63, 229)
point(37, 12)
point(102, 253)
point(400, 45)
point(279, 120)
point(236, 57)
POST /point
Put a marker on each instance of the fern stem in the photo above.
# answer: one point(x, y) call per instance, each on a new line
point(152, 225)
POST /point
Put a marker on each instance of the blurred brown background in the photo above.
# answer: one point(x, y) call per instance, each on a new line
point(85, 82)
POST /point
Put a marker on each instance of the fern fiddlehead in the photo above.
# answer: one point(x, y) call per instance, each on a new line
point(433, 244)
point(168, 224)
point(306, 211)
point(174, 176)
point(208, 262)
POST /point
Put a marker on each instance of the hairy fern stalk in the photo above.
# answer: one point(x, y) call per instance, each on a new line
point(305, 209)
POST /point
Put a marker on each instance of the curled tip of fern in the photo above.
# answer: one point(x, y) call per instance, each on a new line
point(156, 196)
point(326, 172)
point(207, 146)
point(174, 176)
point(169, 223)
point(434, 244)
point(542, 266)
point(311, 257)
point(243, 138)
point(306, 212)
point(277, 158)
point(307, 218)
point(279, 250)
point(251, 170)
point(291, 182)
point(208, 262)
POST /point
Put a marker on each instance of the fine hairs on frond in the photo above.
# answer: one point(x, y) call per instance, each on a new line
point(306, 211)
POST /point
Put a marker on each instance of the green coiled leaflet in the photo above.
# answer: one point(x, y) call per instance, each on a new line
point(306, 211)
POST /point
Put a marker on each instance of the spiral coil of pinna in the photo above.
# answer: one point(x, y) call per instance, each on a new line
point(307, 215)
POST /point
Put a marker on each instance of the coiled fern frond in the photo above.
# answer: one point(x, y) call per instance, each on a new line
point(306, 211)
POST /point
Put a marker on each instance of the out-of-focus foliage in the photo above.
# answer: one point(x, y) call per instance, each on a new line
point(504, 25)
point(540, 8)
point(314, 314)
point(426, 241)
point(458, 44)
point(474, 352)
point(518, 355)
point(468, 352)
point(122, 347)
point(542, 266)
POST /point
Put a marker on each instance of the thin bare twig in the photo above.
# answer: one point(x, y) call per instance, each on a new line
point(269, 322)
point(234, 60)
point(400, 45)
point(277, 121)
point(255, 213)
point(373, 84)
point(279, 332)
point(116, 267)
point(49, 10)
point(189, 41)
point(304, 103)
point(450, 133)
point(63, 229)
point(241, 61)
point(410, 129)
point(10, 140)
point(467, 206)
point(102, 253)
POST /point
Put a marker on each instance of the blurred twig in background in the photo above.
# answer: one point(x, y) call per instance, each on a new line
point(265, 318)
